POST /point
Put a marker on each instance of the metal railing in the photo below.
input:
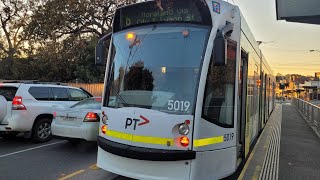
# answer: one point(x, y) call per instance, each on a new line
point(310, 111)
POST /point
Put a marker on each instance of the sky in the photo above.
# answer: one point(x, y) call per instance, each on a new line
point(290, 51)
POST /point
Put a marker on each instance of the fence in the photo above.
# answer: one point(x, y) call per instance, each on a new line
point(310, 111)
point(94, 89)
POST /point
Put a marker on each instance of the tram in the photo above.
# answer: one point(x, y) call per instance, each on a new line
point(187, 91)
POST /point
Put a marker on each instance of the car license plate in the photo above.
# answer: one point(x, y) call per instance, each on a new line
point(69, 118)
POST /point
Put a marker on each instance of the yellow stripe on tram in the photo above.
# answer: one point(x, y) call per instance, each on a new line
point(119, 135)
point(160, 140)
point(208, 141)
point(140, 139)
point(152, 140)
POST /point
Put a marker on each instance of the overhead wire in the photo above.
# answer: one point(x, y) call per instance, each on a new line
point(287, 50)
point(277, 45)
point(311, 69)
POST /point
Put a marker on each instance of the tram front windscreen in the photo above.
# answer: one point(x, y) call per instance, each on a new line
point(157, 67)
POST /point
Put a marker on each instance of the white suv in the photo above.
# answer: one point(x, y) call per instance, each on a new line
point(28, 107)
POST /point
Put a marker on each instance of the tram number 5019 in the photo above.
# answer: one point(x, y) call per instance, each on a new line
point(178, 105)
point(228, 137)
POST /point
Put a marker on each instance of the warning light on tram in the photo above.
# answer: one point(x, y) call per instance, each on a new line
point(130, 36)
point(184, 140)
point(104, 129)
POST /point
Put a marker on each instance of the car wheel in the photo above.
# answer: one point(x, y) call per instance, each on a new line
point(41, 131)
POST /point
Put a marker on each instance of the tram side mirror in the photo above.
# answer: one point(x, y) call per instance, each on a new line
point(100, 51)
point(220, 58)
point(220, 45)
point(100, 54)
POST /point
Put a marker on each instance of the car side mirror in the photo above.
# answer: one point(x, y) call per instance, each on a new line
point(100, 54)
point(100, 51)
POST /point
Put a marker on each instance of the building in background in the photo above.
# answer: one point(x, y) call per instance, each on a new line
point(312, 90)
point(295, 85)
point(317, 76)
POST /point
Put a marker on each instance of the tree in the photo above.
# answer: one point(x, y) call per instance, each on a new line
point(53, 40)
point(14, 17)
point(58, 19)
point(65, 33)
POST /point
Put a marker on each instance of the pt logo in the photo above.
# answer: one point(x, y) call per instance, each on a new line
point(131, 121)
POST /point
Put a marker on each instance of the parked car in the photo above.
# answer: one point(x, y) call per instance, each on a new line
point(79, 122)
point(27, 107)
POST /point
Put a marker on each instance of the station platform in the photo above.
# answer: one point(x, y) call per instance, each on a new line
point(288, 148)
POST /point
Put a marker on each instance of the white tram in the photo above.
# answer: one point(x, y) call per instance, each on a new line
point(187, 91)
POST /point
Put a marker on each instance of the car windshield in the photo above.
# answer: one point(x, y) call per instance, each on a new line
point(90, 103)
point(157, 67)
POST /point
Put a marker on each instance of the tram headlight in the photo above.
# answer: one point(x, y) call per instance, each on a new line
point(104, 118)
point(184, 129)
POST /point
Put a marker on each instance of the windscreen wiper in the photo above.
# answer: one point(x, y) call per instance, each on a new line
point(110, 84)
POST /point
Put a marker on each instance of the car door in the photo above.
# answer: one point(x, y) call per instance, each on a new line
point(60, 97)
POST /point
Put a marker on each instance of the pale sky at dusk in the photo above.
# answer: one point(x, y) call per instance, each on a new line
point(289, 54)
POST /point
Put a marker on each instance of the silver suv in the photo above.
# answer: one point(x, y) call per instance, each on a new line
point(28, 107)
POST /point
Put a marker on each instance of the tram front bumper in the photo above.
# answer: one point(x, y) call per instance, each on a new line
point(143, 163)
point(139, 153)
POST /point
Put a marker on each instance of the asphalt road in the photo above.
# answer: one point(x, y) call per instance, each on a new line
point(20, 158)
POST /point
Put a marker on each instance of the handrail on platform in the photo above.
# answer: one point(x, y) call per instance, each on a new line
point(310, 111)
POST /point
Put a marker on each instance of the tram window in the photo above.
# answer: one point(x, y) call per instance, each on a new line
point(218, 105)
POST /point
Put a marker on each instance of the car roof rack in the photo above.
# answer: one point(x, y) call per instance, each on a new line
point(19, 81)
point(52, 83)
point(32, 82)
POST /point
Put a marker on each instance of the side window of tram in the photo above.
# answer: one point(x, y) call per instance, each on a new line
point(218, 104)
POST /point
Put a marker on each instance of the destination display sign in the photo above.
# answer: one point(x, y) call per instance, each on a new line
point(187, 11)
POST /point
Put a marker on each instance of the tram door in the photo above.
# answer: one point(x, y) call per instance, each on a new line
point(261, 110)
point(266, 100)
point(242, 101)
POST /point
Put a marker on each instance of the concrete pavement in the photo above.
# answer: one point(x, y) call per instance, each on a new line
point(287, 149)
point(300, 147)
